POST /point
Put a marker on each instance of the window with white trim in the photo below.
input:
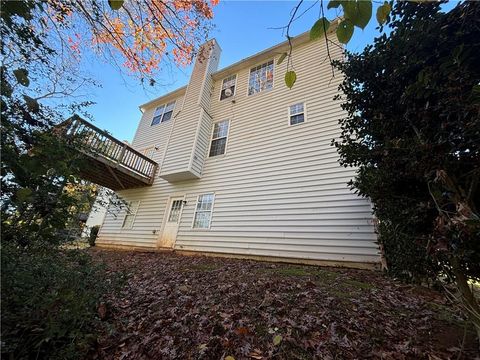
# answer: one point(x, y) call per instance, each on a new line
point(228, 87)
point(296, 114)
point(261, 78)
point(131, 213)
point(219, 138)
point(149, 152)
point(163, 113)
point(203, 211)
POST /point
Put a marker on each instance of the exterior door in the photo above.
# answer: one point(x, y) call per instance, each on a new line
point(170, 229)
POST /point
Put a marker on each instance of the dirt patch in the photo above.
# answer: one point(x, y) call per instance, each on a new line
point(195, 307)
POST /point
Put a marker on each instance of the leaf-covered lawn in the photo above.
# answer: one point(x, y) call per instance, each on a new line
point(179, 307)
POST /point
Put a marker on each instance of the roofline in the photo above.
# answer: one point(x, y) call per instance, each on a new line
point(278, 48)
point(171, 94)
point(281, 47)
point(251, 60)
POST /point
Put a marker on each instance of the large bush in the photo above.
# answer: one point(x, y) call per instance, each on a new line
point(49, 303)
point(413, 130)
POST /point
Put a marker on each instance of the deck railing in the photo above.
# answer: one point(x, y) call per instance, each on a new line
point(98, 142)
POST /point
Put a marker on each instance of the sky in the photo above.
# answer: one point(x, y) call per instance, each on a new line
point(242, 28)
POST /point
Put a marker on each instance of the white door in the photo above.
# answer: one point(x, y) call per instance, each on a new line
point(170, 229)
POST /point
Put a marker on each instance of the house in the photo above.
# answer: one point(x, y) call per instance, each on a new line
point(245, 166)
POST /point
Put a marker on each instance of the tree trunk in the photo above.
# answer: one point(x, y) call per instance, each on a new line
point(468, 298)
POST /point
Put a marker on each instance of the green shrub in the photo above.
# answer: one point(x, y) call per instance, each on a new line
point(412, 131)
point(49, 303)
point(93, 235)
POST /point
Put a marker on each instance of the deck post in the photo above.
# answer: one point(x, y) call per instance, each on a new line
point(122, 154)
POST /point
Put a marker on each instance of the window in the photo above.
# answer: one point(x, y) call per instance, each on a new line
point(219, 138)
point(296, 114)
point(228, 87)
point(261, 78)
point(175, 211)
point(203, 211)
point(149, 152)
point(163, 113)
point(132, 209)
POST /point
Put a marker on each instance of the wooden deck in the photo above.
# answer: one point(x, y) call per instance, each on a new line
point(110, 162)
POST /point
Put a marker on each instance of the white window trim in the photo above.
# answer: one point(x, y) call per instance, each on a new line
point(273, 82)
point(163, 112)
point(226, 142)
point(221, 85)
point(305, 116)
point(134, 216)
point(211, 212)
point(144, 151)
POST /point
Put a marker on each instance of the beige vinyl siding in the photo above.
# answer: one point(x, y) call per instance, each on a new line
point(207, 88)
point(181, 145)
point(156, 135)
point(279, 189)
point(202, 143)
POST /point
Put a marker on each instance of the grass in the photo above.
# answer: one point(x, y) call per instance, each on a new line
point(357, 284)
point(444, 313)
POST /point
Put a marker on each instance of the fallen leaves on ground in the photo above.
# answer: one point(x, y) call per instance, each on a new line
point(196, 307)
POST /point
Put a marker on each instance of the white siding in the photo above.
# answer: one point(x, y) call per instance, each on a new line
point(279, 190)
point(181, 146)
point(202, 142)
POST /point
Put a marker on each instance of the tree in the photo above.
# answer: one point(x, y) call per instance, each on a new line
point(42, 46)
point(351, 14)
point(413, 130)
point(49, 293)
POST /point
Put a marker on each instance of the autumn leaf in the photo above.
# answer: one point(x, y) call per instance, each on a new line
point(102, 311)
point(277, 340)
point(242, 330)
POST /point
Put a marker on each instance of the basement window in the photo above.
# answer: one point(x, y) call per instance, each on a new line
point(131, 213)
point(203, 211)
point(228, 87)
point(261, 78)
point(219, 138)
point(296, 114)
point(163, 113)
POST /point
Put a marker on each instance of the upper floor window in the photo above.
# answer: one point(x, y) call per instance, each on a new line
point(203, 211)
point(296, 114)
point(261, 78)
point(219, 138)
point(130, 215)
point(163, 113)
point(228, 87)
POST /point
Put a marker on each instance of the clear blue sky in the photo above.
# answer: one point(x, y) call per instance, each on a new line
point(241, 28)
